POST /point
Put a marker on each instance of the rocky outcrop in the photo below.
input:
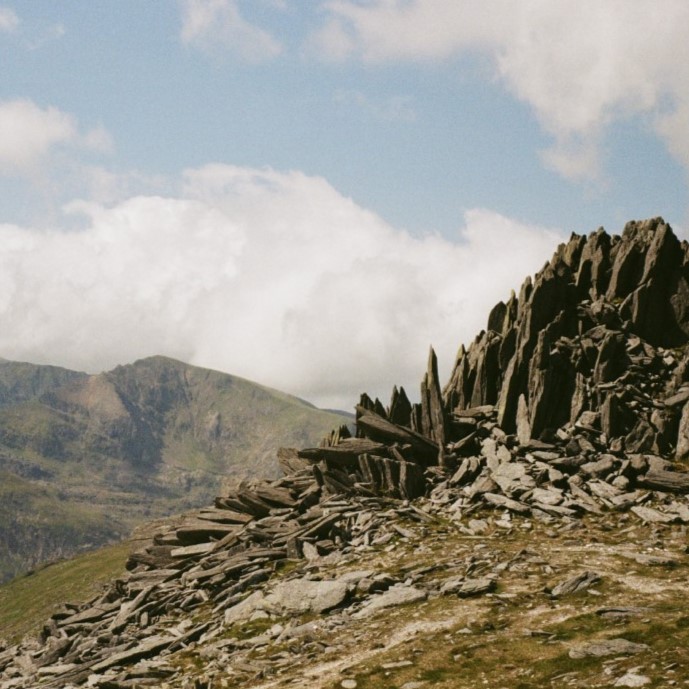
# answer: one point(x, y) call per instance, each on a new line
point(598, 336)
point(254, 558)
point(583, 336)
point(572, 405)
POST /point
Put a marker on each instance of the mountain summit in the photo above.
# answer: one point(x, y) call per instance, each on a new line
point(525, 526)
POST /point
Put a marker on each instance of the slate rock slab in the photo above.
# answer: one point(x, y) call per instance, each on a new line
point(244, 609)
point(396, 595)
point(149, 647)
point(476, 587)
point(580, 582)
point(607, 647)
point(299, 596)
point(648, 514)
point(632, 679)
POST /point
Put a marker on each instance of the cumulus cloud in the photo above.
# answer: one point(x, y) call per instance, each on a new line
point(218, 26)
point(9, 20)
point(579, 64)
point(272, 276)
point(30, 133)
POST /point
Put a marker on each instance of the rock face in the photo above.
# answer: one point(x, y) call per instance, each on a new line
point(573, 404)
point(588, 329)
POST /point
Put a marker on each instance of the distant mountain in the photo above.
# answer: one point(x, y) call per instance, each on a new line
point(143, 440)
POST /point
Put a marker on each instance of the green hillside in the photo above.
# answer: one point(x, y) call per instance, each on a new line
point(27, 601)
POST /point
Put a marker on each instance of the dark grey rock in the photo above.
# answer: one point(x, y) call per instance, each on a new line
point(580, 582)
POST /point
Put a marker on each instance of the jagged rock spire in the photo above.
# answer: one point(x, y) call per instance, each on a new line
point(569, 328)
point(432, 409)
point(574, 340)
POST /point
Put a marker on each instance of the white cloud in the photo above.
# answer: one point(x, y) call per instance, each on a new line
point(579, 64)
point(673, 127)
point(99, 140)
point(575, 158)
point(9, 20)
point(272, 276)
point(382, 30)
point(30, 133)
point(106, 187)
point(218, 26)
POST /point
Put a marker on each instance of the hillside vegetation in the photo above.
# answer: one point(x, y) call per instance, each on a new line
point(83, 458)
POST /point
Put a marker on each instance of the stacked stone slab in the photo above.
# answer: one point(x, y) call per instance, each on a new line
point(214, 558)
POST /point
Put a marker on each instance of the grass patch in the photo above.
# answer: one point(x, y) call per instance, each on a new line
point(579, 626)
point(27, 602)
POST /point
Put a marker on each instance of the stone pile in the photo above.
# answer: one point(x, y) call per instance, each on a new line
point(210, 560)
point(574, 402)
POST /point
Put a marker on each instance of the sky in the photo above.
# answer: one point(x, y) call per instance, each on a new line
point(310, 193)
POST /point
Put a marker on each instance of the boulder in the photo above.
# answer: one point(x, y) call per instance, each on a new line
point(299, 596)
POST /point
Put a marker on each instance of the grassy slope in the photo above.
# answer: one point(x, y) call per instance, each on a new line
point(27, 602)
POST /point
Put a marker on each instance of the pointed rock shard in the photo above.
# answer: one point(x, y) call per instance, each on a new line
point(569, 254)
point(657, 303)
point(400, 408)
point(486, 369)
point(432, 409)
point(612, 358)
point(379, 409)
point(497, 317)
point(592, 276)
point(455, 392)
point(412, 483)
point(628, 265)
point(615, 418)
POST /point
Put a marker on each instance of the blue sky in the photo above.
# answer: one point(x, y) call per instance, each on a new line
point(356, 179)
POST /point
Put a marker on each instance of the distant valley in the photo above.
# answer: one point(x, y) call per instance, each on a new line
point(84, 458)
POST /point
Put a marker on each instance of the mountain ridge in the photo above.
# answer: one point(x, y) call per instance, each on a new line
point(151, 438)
